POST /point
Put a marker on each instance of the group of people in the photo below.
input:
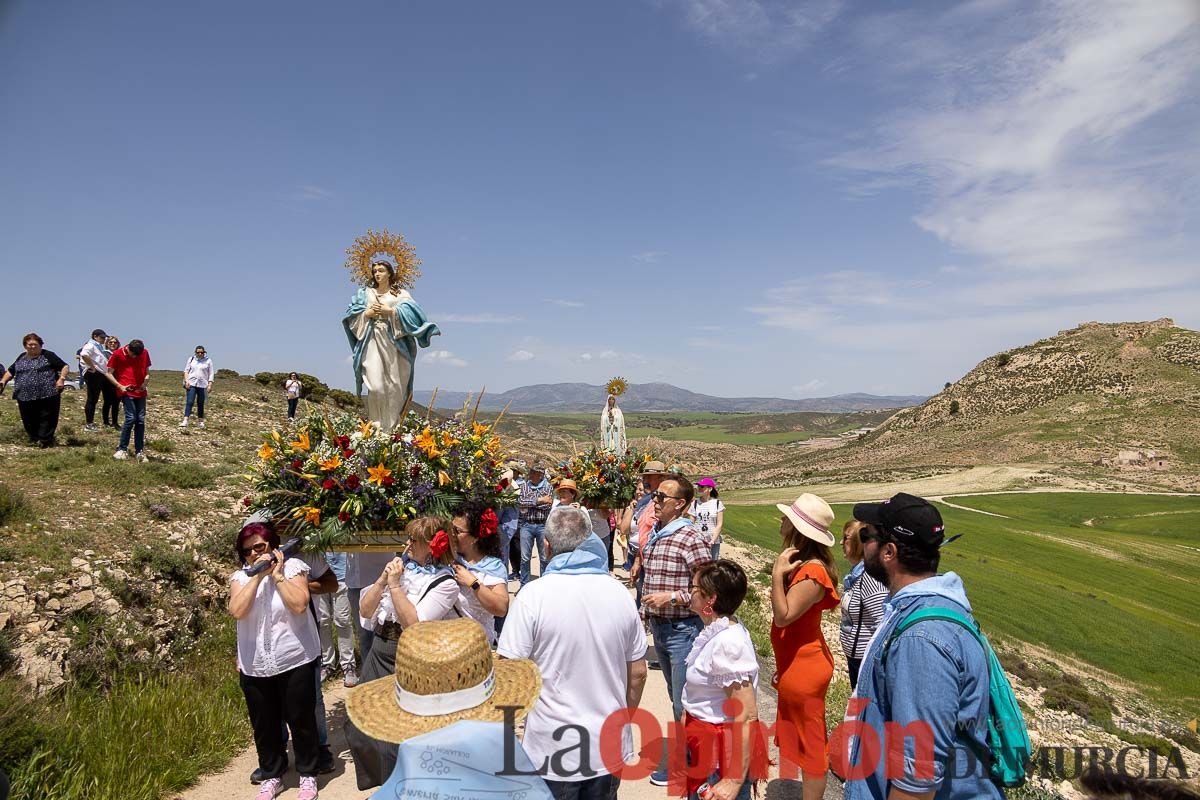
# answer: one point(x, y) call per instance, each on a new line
point(587, 634)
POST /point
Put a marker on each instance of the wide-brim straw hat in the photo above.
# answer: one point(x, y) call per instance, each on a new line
point(811, 516)
point(445, 672)
point(567, 483)
point(654, 468)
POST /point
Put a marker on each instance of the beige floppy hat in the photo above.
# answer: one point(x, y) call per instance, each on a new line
point(811, 516)
point(445, 672)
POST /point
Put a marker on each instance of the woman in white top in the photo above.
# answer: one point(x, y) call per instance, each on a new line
point(278, 655)
point(292, 387)
point(419, 587)
point(481, 575)
point(708, 512)
point(721, 667)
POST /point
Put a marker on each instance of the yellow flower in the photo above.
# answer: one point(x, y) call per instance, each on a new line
point(302, 443)
point(479, 429)
point(378, 474)
point(443, 478)
point(449, 441)
point(427, 442)
point(365, 428)
point(331, 464)
point(266, 452)
point(493, 444)
point(312, 515)
point(479, 454)
point(275, 436)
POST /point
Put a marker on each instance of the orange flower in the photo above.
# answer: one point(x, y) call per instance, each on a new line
point(378, 474)
point(302, 442)
point(331, 464)
point(427, 443)
point(479, 429)
point(266, 452)
point(443, 478)
point(311, 514)
point(365, 428)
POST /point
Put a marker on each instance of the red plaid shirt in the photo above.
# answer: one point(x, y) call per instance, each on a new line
point(668, 566)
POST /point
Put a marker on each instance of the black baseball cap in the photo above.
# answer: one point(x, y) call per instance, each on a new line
point(907, 518)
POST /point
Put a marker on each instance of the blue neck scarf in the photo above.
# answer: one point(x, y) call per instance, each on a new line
point(666, 530)
point(590, 558)
point(851, 577)
point(488, 565)
point(425, 569)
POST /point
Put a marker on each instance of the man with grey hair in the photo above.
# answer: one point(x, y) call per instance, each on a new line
point(580, 626)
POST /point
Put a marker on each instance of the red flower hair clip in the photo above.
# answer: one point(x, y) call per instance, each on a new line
point(440, 544)
point(488, 523)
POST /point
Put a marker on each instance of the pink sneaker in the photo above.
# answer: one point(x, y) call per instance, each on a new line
point(270, 789)
point(308, 789)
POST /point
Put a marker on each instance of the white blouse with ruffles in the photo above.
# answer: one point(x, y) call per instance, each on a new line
point(721, 656)
point(270, 638)
point(438, 604)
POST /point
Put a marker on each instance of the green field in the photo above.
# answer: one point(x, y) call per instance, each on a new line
point(1118, 593)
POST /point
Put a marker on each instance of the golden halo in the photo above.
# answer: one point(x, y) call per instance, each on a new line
point(617, 386)
point(403, 256)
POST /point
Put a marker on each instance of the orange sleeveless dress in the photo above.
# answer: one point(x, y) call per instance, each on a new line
point(803, 670)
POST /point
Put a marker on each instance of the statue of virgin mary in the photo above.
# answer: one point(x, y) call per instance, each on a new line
point(612, 427)
point(385, 326)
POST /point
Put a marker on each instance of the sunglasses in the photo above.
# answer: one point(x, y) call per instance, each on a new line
point(873, 534)
point(659, 496)
point(255, 549)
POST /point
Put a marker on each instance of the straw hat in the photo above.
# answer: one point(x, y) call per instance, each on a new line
point(445, 672)
point(811, 516)
point(567, 483)
point(654, 468)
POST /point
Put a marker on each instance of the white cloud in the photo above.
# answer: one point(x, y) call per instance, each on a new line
point(314, 193)
point(435, 357)
point(585, 356)
point(650, 256)
point(558, 301)
point(608, 355)
point(480, 319)
point(807, 388)
point(521, 355)
point(1056, 136)
point(763, 30)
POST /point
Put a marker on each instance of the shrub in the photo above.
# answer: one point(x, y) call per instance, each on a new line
point(1003, 359)
point(13, 505)
point(227, 373)
point(165, 562)
point(311, 388)
point(161, 445)
point(344, 399)
point(954, 407)
point(947, 386)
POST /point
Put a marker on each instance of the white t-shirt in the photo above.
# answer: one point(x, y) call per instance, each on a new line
point(363, 569)
point(599, 523)
point(705, 515)
point(438, 604)
point(581, 631)
point(721, 656)
point(270, 638)
point(98, 355)
point(469, 605)
point(293, 389)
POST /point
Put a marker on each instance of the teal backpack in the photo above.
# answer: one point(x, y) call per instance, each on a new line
point(1008, 740)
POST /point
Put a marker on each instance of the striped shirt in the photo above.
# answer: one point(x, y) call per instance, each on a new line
point(862, 611)
point(527, 496)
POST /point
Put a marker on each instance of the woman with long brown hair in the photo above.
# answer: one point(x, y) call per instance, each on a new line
point(803, 584)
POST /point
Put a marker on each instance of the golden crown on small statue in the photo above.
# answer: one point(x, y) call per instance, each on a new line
point(402, 255)
point(617, 386)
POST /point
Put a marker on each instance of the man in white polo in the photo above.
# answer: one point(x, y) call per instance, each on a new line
point(579, 625)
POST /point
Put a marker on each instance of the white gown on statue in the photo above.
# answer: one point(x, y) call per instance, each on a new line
point(386, 371)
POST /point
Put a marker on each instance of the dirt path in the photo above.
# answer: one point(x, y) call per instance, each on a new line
point(234, 781)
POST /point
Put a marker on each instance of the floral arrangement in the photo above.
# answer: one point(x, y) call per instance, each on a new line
point(605, 479)
point(334, 479)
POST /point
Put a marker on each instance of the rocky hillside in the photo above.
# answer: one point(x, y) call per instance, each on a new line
point(1115, 402)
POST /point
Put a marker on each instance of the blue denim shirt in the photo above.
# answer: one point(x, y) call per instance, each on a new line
point(337, 563)
point(937, 673)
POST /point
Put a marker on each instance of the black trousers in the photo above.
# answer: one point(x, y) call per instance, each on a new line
point(292, 403)
point(601, 787)
point(374, 760)
point(286, 697)
point(95, 383)
point(109, 411)
point(40, 418)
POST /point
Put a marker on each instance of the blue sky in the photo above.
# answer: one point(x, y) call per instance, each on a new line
point(740, 197)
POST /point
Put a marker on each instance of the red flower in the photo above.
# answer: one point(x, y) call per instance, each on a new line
point(246, 501)
point(388, 480)
point(297, 465)
point(347, 453)
point(488, 523)
point(352, 481)
point(415, 471)
point(440, 544)
point(397, 437)
point(343, 442)
point(343, 516)
point(328, 484)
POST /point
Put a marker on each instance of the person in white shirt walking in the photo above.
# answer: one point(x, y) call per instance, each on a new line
point(579, 625)
point(198, 375)
point(708, 514)
point(293, 387)
point(94, 359)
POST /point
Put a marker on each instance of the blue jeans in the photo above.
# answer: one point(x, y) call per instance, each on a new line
point(529, 533)
point(673, 641)
point(507, 531)
point(197, 395)
point(135, 422)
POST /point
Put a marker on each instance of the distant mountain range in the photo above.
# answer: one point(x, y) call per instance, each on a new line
point(568, 397)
